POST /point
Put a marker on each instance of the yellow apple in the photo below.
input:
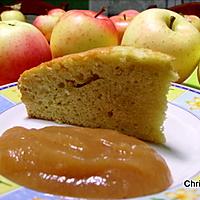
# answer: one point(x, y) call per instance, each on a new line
point(194, 20)
point(12, 15)
point(198, 73)
point(79, 30)
point(168, 32)
point(46, 23)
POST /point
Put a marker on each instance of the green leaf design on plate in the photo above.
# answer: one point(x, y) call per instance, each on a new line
point(7, 185)
point(4, 183)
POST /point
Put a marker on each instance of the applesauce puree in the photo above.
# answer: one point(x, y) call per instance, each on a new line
point(82, 162)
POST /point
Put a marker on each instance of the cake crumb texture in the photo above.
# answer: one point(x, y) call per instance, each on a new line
point(120, 88)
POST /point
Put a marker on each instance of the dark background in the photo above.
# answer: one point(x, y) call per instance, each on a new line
point(113, 7)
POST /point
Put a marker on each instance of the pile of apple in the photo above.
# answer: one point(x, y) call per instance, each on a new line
point(79, 30)
point(60, 33)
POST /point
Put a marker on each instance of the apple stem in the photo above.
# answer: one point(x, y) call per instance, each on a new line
point(172, 19)
point(15, 6)
point(46, 10)
point(101, 11)
point(124, 16)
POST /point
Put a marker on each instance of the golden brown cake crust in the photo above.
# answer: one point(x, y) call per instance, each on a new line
point(120, 88)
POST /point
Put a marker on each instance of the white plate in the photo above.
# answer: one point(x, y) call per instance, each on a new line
point(181, 151)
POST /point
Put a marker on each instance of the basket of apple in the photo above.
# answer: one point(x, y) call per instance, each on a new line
point(60, 32)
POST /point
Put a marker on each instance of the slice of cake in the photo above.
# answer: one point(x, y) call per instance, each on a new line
point(119, 88)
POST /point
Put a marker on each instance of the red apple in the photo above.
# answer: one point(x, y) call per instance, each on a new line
point(46, 23)
point(56, 12)
point(22, 47)
point(80, 30)
point(87, 12)
point(121, 22)
point(129, 13)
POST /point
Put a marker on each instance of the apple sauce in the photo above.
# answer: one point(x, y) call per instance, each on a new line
point(82, 162)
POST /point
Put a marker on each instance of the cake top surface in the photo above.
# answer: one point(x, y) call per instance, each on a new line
point(123, 54)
